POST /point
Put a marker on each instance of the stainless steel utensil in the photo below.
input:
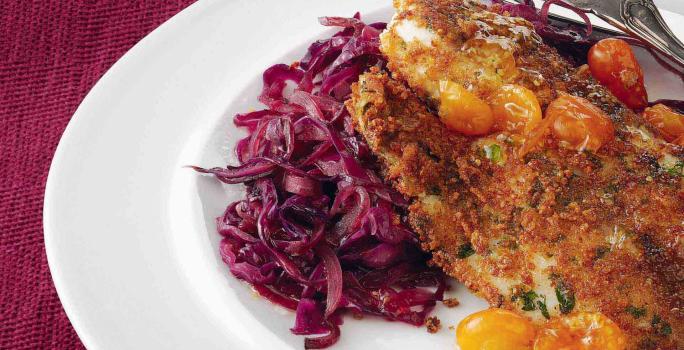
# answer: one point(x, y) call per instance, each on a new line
point(639, 18)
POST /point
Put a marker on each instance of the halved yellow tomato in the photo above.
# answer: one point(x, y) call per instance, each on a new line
point(462, 111)
point(495, 329)
point(581, 331)
point(516, 109)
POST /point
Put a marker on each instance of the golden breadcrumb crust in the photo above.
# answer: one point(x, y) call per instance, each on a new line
point(551, 233)
point(608, 225)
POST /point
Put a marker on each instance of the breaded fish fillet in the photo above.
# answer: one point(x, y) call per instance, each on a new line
point(554, 232)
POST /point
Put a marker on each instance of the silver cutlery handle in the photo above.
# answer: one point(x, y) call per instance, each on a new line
point(642, 18)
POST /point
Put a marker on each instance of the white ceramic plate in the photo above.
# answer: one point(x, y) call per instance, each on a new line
point(130, 234)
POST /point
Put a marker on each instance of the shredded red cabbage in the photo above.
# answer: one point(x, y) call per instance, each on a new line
point(554, 33)
point(317, 231)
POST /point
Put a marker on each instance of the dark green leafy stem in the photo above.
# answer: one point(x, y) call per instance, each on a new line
point(636, 312)
point(465, 251)
point(542, 307)
point(566, 297)
point(528, 300)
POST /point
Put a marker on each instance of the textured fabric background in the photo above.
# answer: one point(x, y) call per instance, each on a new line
point(51, 53)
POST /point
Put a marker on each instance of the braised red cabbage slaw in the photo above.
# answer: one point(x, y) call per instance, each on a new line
point(318, 232)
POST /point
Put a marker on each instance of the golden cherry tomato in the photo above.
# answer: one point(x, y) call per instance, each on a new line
point(613, 64)
point(495, 329)
point(516, 109)
point(579, 123)
point(581, 331)
point(462, 111)
point(668, 122)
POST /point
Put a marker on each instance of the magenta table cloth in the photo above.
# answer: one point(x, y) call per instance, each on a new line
point(51, 54)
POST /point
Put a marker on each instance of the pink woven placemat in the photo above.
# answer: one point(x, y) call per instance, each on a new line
point(51, 53)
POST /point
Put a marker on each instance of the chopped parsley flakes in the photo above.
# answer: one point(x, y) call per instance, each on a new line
point(530, 301)
point(465, 251)
point(636, 312)
point(677, 169)
point(566, 298)
point(493, 152)
point(660, 326)
point(542, 307)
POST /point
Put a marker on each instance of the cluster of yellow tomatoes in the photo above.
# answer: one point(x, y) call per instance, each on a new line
point(498, 329)
point(571, 119)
